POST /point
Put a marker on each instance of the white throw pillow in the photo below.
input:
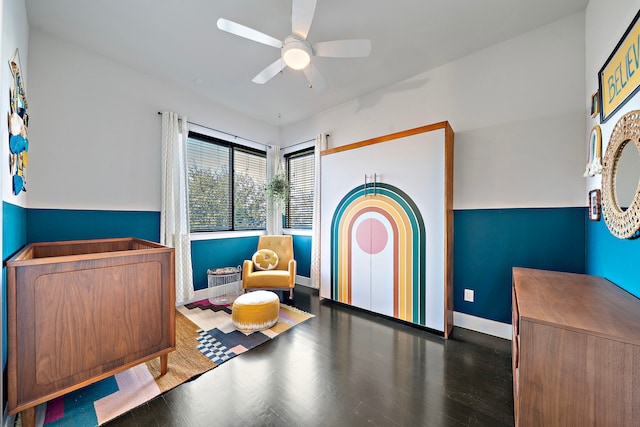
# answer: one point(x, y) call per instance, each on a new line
point(265, 259)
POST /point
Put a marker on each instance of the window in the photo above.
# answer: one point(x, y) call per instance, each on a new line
point(227, 185)
point(249, 190)
point(300, 171)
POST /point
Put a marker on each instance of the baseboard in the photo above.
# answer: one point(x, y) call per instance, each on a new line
point(304, 281)
point(479, 324)
point(463, 320)
point(201, 294)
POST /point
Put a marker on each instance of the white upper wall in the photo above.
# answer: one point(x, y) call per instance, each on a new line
point(517, 108)
point(95, 129)
point(606, 22)
point(15, 35)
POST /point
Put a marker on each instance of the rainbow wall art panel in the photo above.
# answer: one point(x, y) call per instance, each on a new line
point(382, 230)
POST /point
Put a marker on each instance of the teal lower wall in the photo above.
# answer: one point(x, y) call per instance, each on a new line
point(206, 254)
point(302, 255)
point(14, 230)
point(612, 258)
point(489, 242)
point(48, 225)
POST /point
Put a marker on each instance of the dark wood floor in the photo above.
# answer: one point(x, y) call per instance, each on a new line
point(346, 367)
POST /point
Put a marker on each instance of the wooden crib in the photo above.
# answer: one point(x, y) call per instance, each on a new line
point(81, 311)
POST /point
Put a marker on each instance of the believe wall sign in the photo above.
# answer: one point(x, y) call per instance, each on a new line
point(619, 78)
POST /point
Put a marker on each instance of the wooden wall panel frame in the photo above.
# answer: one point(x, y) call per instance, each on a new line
point(448, 201)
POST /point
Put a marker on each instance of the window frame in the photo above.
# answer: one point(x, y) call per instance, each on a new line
point(205, 234)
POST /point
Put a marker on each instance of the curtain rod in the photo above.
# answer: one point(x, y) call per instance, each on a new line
point(298, 143)
point(221, 131)
point(246, 139)
point(303, 142)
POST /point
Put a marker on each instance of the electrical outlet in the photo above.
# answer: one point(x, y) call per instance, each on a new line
point(468, 295)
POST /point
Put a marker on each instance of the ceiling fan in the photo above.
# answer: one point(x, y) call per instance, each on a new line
point(295, 50)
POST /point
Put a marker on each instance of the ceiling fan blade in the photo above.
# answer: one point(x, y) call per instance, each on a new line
point(316, 80)
point(269, 72)
point(248, 33)
point(301, 16)
point(343, 48)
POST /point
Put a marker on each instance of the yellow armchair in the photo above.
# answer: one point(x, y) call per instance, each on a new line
point(282, 277)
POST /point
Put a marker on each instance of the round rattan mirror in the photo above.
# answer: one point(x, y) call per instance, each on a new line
point(622, 221)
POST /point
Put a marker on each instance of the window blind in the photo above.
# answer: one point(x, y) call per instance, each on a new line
point(300, 171)
point(250, 179)
point(226, 186)
point(209, 186)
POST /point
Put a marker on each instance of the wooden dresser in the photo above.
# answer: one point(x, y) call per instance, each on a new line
point(576, 351)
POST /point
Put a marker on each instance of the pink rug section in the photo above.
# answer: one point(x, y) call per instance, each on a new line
point(239, 349)
point(136, 386)
point(55, 410)
point(286, 319)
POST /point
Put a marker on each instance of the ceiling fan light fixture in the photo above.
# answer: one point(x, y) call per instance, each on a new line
point(296, 53)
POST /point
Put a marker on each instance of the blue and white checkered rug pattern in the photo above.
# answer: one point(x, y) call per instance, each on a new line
point(212, 348)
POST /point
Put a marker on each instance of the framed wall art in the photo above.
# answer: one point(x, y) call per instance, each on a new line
point(594, 205)
point(595, 104)
point(619, 78)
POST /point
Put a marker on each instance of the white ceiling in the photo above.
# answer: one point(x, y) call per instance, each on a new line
point(178, 41)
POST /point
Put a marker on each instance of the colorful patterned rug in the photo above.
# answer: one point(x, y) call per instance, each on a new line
point(205, 338)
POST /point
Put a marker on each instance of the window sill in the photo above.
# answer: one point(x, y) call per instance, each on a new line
point(214, 235)
point(297, 232)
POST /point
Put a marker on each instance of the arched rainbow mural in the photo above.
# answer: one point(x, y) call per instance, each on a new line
point(378, 241)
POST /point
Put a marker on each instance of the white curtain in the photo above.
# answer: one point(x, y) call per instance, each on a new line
point(174, 215)
point(321, 144)
point(275, 208)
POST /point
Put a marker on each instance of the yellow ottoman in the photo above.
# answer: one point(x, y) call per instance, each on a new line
point(255, 311)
